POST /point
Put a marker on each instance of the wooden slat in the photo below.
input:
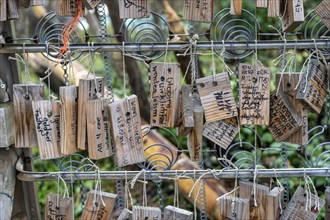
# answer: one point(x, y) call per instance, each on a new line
point(37, 2)
point(47, 121)
point(66, 7)
point(174, 213)
point(58, 207)
point(23, 3)
point(90, 4)
point(69, 119)
point(241, 208)
point(198, 10)
point(293, 15)
point(274, 7)
point(3, 10)
point(7, 131)
point(217, 97)
point(133, 9)
point(94, 207)
point(323, 10)
point(126, 131)
point(12, 9)
point(25, 132)
point(221, 132)
point(254, 95)
point(125, 215)
point(140, 212)
point(327, 202)
point(88, 89)
point(262, 3)
point(274, 199)
point(236, 7)
point(164, 94)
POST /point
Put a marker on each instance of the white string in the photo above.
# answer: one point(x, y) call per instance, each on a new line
point(124, 69)
point(213, 67)
point(91, 69)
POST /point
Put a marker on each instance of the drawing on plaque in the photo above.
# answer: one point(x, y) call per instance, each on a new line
point(133, 9)
point(198, 10)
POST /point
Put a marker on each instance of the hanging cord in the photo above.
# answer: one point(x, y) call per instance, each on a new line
point(124, 69)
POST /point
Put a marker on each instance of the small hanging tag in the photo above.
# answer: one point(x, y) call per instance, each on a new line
point(133, 9)
point(47, 121)
point(288, 84)
point(327, 202)
point(296, 209)
point(126, 131)
point(25, 132)
point(232, 208)
point(198, 10)
point(140, 212)
point(171, 213)
point(69, 119)
point(125, 215)
point(217, 97)
point(262, 3)
point(98, 129)
point(186, 119)
point(273, 204)
point(293, 15)
point(90, 4)
point(274, 7)
point(58, 207)
point(236, 7)
point(165, 94)
point(313, 86)
point(95, 208)
point(323, 10)
point(7, 131)
point(284, 119)
point(254, 95)
point(222, 133)
point(87, 90)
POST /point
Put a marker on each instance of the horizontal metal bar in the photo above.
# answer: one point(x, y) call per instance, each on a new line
point(177, 46)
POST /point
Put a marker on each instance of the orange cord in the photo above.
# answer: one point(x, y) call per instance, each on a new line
point(70, 27)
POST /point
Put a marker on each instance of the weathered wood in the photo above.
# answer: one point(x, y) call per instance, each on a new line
point(273, 204)
point(174, 213)
point(327, 202)
point(274, 7)
point(217, 97)
point(23, 3)
point(323, 10)
point(89, 89)
point(236, 7)
point(3, 10)
point(262, 3)
point(12, 9)
point(125, 215)
point(23, 95)
point(165, 94)
point(241, 208)
point(7, 131)
point(140, 212)
point(133, 9)
point(254, 95)
point(69, 119)
point(313, 86)
point(58, 207)
point(221, 132)
point(90, 4)
point(47, 122)
point(186, 107)
point(95, 208)
point(296, 209)
point(198, 10)
point(293, 15)
point(36, 2)
point(284, 119)
point(126, 131)
point(66, 7)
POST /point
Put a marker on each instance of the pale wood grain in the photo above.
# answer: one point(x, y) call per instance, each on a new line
point(327, 202)
point(7, 131)
point(66, 7)
point(236, 7)
point(293, 14)
point(174, 213)
point(273, 204)
point(125, 215)
point(142, 213)
point(90, 4)
point(262, 3)
point(12, 9)
point(323, 10)
point(274, 7)
point(3, 10)
point(198, 10)
point(133, 9)
point(241, 208)
point(58, 207)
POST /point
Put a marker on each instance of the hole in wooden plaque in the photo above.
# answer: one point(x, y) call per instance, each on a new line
point(202, 85)
point(27, 96)
point(254, 79)
point(162, 78)
point(128, 114)
point(288, 85)
point(49, 114)
point(215, 83)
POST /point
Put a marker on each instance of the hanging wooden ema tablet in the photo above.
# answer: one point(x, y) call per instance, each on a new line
point(58, 207)
point(313, 86)
point(171, 212)
point(25, 132)
point(323, 10)
point(288, 84)
point(90, 4)
point(126, 131)
point(66, 7)
point(125, 215)
point(95, 208)
point(69, 119)
point(217, 97)
point(164, 94)
point(186, 118)
point(262, 3)
point(12, 10)
point(293, 14)
point(133, 9)
point(141, 212)
point(222, 133)
point(87, 90)
point(296, 209)
point(274, 199)
point(327, 202)
point(233, 208)
point(99, 143)
point(254, 95)
point(7, 131)
point(274, 7)
point(236, 7)
point(47, 121)
point(198, 10)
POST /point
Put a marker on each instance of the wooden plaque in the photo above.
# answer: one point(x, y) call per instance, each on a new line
point(296, 209)
point(22, 3)
point(125, 215)
point(7, 131)
point(198, 10)
point(274, 200)
point(222, 133)
point(140, 212)
point(165, 94)
point(293, 15)
point(3, 10)
point(254, 95)
point(236, 7)
point(36, 2)
point(240, 209)
point(12, 9)
point(262, 3)
point(186, 119)
point(90, 4)
point(126, 131)
point(274, 7)
point(87, 91)
point(95, 209)
point(174, 213)
point(313, 86)
point(69, 119)
point(217, 97)
point(323, 10)
point(99, 143)
point(66, 7)
point(133, 9)
point(327, 202)
point(58, 207)
point(25, 132)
